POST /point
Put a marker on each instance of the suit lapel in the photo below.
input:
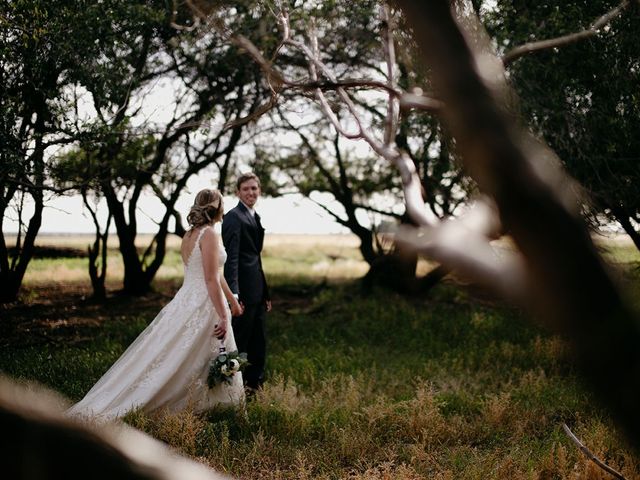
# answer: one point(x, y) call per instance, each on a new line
point(246, 213)
point(256, 232)
point(259, 232)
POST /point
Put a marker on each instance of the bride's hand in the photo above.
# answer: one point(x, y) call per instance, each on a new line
point(220, 329)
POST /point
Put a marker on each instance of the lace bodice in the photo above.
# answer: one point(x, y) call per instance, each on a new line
point(193, 269)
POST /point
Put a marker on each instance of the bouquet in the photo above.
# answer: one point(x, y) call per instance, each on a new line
point(224, 366)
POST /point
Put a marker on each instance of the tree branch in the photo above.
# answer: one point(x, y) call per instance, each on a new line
point(278, 82)
point(386, 213)
point(390, 61)
point(564, 40)
point(341, 221)
point(567, 284)
point(591, 456)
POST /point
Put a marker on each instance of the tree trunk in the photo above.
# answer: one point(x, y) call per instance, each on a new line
point(624, 220)
point(567, 284)
point(99, 249)
point(391, 271)
point(395, 270)
point(97, 282)
point(10, 288)
point(366, 244)
point(12, 274)
point(11, 279)
point(5, 293)
point(137, 276)
point(135, 281)
point(431, 279)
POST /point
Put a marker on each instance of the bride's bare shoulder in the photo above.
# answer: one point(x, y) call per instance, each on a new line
point(188, 243)
point(210, 238)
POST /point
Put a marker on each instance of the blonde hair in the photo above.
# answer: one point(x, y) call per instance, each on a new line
point(207, 208)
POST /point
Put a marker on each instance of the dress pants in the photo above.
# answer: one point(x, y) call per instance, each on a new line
point(249, 331)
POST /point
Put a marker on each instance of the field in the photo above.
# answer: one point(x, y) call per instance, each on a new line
point(362, 385)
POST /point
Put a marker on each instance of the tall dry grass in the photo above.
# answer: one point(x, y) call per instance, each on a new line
point(366, 386)
point(341, 431)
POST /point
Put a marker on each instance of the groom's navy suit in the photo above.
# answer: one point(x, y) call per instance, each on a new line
point(243, 236)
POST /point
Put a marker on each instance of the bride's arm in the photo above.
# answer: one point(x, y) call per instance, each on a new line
point(210, 247)
point(236, 307)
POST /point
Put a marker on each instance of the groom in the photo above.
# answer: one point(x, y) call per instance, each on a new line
point(243, 235)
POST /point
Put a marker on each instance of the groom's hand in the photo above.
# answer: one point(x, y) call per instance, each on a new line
point(237, 308)
point(268, 304)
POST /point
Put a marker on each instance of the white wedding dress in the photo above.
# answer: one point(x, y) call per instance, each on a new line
point(166, 367)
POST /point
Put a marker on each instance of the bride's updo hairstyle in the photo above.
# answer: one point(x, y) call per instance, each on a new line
point(207, 208)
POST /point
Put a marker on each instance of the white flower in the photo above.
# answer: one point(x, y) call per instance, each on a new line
point(224, 369)
point(234, 364)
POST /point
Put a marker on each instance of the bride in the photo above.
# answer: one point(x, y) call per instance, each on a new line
point(166, 367)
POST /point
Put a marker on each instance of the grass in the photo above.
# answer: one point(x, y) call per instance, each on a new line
point(361, 386)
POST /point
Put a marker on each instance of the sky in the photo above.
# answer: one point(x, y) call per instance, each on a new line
point(291, 214)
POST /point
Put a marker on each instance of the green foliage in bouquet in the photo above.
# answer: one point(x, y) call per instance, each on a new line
point(224, 367)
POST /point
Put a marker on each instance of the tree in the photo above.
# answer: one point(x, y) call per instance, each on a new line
point(212, 84)
point(555, 270)
point(320, 163)
point(587, 108)
point(558, 274)
point(345, 63)
point(43, 46)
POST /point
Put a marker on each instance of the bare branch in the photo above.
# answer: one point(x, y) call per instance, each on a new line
point(274, 78)
point(463, 244)
point(346, 83)
point(313, 56)
point(257, 113)
point(411, 182)
point(390, 60)
point(337, 218)
point(411, 185)
point(564, 40)
point(385, 213)
point(591, 456)
point(277, 81)
point(567, 284)
point(420, 102)
point(26, 184)
point(283, 20)
point(387, 148)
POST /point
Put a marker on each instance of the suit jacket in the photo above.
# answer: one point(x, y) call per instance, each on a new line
point(243, 236)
